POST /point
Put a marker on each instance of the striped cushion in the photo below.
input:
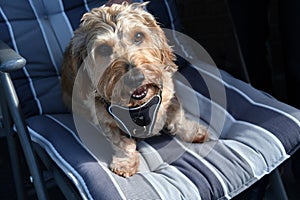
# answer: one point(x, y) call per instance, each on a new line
point(253, 133)
point(32, 30)
point(245, 148)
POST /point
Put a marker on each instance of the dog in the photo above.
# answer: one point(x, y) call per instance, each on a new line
point(127, 70)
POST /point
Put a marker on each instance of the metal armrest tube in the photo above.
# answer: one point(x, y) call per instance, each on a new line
point(9, 59)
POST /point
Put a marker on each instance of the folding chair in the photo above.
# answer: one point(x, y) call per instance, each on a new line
point(256, 133)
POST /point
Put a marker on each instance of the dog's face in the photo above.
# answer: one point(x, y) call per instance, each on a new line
point(131, 60)
point(125, 60)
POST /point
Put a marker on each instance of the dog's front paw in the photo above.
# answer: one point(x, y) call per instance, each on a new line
point(193, 132)
point(201, 134)
point(126, 165)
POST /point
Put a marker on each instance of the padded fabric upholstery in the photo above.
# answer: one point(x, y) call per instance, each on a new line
point(33, 33)
point(247, 149)
point(253, 132)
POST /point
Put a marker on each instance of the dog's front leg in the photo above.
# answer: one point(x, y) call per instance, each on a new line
point(125, 162)
point(187, 130)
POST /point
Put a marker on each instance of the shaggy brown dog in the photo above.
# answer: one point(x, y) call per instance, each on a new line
point(124, 61)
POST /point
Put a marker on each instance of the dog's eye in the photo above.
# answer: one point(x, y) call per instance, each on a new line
point(138, 38)
point(104, 50)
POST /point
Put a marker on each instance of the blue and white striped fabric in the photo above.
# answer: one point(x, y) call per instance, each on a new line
point(253, 132)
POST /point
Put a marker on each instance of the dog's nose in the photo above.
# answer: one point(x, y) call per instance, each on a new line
point(134, 77)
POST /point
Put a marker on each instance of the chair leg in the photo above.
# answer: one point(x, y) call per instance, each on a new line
point(60, 178)
point(14, 109)
point(13, 152)
point(276, 183)
point(15, 165)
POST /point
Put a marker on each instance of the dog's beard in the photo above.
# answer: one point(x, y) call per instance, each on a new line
point(133, 97)
point(113, 85)
point(135, 106)
point(135, 109)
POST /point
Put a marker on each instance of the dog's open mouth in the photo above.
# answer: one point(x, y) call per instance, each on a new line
point(147, 90)
point(140, 92)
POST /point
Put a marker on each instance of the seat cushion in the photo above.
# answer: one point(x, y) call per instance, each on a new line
point(40, 31)
point(251, 135)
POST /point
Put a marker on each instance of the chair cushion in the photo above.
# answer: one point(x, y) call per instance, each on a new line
point(40, 32)
point(245, 147)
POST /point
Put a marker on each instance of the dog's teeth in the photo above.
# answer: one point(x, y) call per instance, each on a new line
point(140, 92)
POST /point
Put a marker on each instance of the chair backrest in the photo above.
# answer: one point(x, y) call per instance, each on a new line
point(39, 31)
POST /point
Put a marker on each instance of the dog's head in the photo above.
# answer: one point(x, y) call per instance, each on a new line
point(125, 55)
point(131, 60)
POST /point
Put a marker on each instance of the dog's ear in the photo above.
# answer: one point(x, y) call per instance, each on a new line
point(168, 57)
point(76, 51)
point(74, 56)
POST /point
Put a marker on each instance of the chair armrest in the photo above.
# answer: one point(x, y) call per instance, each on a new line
point(9, 59)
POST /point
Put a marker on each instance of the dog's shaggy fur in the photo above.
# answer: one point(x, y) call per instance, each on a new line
point(129, 41)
